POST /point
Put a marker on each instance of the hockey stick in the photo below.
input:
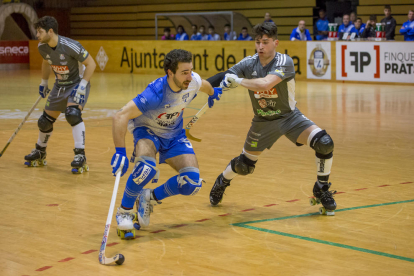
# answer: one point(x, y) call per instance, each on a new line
point(20, 126)
point(193, 121)
point(118, 258)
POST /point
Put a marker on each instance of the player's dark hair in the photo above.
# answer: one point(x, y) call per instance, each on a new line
point(227, 25)
point(174, 57)
point(167, 29)
point(244, 28)
point(265, 28)
point(322, 9)
point(387, 7)
point(181, 26)
point(194, 25)
point(47, 23)
point(373, 17)
point(211, 27)
point(359, 18)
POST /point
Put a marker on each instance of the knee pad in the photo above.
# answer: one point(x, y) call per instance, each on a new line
point(73, 115)
point(144, 171)
point(45, 123)
point(242, 165)
point(322, 144)
point(189, 181)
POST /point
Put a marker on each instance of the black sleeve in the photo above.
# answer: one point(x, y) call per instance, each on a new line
point(217, 78)
point(365, 32)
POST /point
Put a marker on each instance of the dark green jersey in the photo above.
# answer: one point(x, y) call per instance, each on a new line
point(279, 100)
point(66, 60)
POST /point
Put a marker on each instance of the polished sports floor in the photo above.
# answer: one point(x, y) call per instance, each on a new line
point(52, 222)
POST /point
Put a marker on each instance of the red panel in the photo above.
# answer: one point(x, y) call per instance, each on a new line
point(14, 52)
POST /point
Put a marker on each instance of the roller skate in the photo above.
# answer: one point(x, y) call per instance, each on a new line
point(125, 220)
point(37, 157)
point(145, 206)
point(79, 162)
point(323, 195)
point(216, 193)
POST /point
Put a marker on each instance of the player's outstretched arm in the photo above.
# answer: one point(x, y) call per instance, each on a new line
point(260, 84)
point(119, 128)
point(213, 93)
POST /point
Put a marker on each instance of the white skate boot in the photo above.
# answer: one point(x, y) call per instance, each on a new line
point(125, 220)
point(145, 206)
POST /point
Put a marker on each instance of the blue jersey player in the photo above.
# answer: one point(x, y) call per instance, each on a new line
point(155, 118)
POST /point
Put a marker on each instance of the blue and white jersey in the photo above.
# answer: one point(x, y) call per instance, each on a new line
point(345, 29)
point(407, 29)
point(162, 109)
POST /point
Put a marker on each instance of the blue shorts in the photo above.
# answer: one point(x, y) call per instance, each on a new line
point(167, 148)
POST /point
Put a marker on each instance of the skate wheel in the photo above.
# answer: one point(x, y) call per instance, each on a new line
point(80, 170)
point(137, 226)
point(34, 163)
point(322, 211)
point(312, 201)
point(118, 232)
point(86, 168)
point(44, 162)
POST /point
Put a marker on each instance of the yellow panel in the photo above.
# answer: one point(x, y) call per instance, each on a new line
point(120, 31)
point(278, 12)
point(384, 2)
point(120, 24)
point(284, 21)
point(367, 10)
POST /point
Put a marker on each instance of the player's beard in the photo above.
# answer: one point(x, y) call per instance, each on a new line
point(45, 39)
point(182, 85)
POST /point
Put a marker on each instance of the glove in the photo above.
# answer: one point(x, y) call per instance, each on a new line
point(78, 93)
point(117, 160)
point(43, 89)
point(215, 96)
point(230, 81)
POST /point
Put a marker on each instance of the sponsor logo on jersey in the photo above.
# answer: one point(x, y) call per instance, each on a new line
point(63, 62)
point(85, 54)
point(254, 73)
point(47, 56)
point(62, 56)
point(49, 61)
point(185, 97)
point(262, 103)
point(167, 106)
point(60, 69)
point(280, 72)
point(271, 103)
point(168, 119)
point(268, 113)
point(271, 93)
point(62, 77)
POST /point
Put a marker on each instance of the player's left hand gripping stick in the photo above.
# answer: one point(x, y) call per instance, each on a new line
point(119, 155)
point(215, 96)
point(118, 258)
point(79, 92)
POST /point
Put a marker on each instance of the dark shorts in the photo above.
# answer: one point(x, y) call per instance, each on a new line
point(60, 96)
point(263, 134)
point(167, 148)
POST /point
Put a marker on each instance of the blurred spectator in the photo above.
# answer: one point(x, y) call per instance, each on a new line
point(407, 29)
point(227, 35)
point(390, 23)
point(212, 35)
point(353, 17)
point(370, 27)
point(195, 35)
point(268, 18)
point(167, 34)
point(181, 34)
point(203, 34)
point(346, 26)
point(358, 29)
point(300, 33)
point(244, 35)
point(321, 28)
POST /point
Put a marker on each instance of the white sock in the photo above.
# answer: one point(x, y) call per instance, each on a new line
point(78, 132)
point(228, 173)
point(323, 166)
point(43, 138)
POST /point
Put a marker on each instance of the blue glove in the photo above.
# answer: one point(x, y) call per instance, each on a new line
point(117, 160)
point(79, 92)
point(43, 89)
point(215, 96)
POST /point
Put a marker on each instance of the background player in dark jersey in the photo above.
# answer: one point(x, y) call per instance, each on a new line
point(270, 78)
point(73, 68)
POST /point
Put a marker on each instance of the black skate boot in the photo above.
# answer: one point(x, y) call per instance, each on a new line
point(37, 157)
point(216, 193)
point(79, 162)
point(324, 196)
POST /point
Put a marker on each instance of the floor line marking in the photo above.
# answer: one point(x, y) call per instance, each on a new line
point(43, 268)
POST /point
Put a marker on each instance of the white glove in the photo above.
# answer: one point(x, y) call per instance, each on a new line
point(79, 92)
point(230, 81)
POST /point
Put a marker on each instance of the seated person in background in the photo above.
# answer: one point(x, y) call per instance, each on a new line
point(407, 29)
point(321, 28)
point(244, 35)
point(227, 35)
point(212, 35)
point(195, 35)
point(390, 23)
point(358, 28)
point(345, 28)
point(181, 34)
point(353, 17)
point(300, 33)
point(167, 34)
point(370, 27)
point(203, 34)
point(268, 18)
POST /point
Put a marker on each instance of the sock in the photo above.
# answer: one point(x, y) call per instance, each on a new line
point(78, 132)
point(132, 190)
point(43, 138)
point(169, 188)
point(228, 173)
point(323, 169)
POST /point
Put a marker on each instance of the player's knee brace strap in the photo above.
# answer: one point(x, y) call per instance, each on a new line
point(45, 123)
point(144, 172)
point(73, 115)
point(322, 144)
point(242, 165)
point(189, 181)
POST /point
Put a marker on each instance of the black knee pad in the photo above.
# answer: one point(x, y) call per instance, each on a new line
point(242, 165)
point(322, 144)
point(73, 115)
point(45, 123)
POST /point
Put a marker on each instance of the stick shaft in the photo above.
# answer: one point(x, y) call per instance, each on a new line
point(21, 124)
point(197, 116)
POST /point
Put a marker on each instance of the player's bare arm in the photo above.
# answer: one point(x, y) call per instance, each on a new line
point(213, 93)
point(45, 70)
point(90, 68)
point(120, 122)
point(206, 88)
